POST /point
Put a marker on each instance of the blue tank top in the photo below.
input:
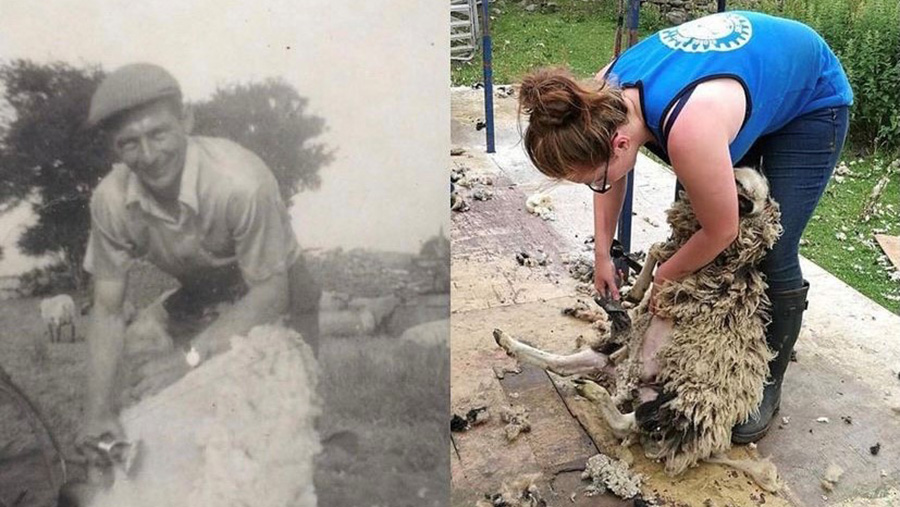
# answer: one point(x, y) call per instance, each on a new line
point(785, 67)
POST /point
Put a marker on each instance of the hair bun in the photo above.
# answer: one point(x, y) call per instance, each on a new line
point(551, 97)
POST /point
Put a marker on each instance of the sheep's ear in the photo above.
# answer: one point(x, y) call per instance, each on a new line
point(745, 205)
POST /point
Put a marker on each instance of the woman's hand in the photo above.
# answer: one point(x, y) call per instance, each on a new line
point(654, 290)
point(659, 279)
point(605, 277)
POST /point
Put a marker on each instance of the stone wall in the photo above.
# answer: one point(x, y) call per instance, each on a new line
point(675, 12)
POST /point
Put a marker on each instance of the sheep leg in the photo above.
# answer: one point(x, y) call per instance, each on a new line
point(763, 472)
point(622, 425)
point(643, 280)
point(50, 331)
point(619, 355)
point(658, 334)
point(587, 361)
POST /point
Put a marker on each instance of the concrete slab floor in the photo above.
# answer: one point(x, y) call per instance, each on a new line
point(848, 353)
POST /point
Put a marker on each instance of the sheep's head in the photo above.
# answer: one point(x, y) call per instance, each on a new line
point(753, 191)
point(760, 219)
point(759, 215)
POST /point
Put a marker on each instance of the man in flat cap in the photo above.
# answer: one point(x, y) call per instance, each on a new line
point(204, 210)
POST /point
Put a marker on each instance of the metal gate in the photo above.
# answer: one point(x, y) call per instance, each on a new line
point(464, 29)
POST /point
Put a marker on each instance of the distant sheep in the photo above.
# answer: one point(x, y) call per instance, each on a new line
point(56, 312)
point(429, 334)
point(380, 307)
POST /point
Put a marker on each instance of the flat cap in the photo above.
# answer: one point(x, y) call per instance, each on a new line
point(130, 86)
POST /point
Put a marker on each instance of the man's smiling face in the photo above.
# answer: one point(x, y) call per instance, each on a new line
point(152, 141)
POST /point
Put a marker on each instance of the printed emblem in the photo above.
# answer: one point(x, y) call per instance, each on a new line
point(725, 31)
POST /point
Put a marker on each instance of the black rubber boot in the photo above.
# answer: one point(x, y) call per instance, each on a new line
point(781, 334)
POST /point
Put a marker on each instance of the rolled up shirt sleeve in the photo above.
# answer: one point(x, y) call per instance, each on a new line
point(109, 251)
point(262, 233)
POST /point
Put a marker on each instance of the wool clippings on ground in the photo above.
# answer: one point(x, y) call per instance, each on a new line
point(516, 419)
point(612, 474)
point(540, 204)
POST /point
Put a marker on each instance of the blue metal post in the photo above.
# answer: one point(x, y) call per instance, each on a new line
point(634, 8)
point(623, 232)
point(488, 74)
point(620, 22)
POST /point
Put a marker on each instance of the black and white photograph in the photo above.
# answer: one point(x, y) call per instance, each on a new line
point(224, 253)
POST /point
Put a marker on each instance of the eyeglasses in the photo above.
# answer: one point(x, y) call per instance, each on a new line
point(598, 186)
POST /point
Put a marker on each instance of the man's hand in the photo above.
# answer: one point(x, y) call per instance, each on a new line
point(93, 430)
point(157, 373)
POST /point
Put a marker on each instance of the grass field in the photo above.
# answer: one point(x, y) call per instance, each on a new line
point(580, 35)
point(840, 240)
point(395, 396)
point(385, 400)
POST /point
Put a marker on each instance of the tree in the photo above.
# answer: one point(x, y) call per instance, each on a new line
point(48, 159)
point(268, 119)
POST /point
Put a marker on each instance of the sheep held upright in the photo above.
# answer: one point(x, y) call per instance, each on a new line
point(712, 371)
point(713, 359)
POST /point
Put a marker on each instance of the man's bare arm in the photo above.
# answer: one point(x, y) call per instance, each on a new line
point(264, 303)
point(106, 343)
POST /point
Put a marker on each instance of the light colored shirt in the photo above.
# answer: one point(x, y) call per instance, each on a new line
point(231, 212)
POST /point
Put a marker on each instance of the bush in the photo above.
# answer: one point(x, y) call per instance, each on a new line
point(865, 35)
point(47, 280)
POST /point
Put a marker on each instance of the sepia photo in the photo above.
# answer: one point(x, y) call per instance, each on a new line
point(224, 265)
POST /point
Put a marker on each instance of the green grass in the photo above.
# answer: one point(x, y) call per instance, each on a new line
point(581, 35)
point(841, 242)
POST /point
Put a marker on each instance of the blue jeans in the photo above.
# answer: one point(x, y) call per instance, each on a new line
point(798, 160)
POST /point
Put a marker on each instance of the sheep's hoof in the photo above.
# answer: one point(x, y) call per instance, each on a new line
point(590, 390)
point(502, 340)
point(632, 298)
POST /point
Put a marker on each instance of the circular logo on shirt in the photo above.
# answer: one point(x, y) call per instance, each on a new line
point(725, 31)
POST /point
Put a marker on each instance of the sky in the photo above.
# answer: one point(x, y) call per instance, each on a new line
point(378, 74)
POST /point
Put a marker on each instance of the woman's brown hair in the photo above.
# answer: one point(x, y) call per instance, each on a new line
point(568, 125)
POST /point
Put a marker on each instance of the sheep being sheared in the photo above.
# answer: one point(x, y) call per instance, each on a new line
point(705, 364)
point(237, 430)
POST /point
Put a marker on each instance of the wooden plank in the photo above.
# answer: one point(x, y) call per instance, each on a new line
point(501, 226)
point(487, 458)
point(891, 247)
point(556, 438)
point(486, 239)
